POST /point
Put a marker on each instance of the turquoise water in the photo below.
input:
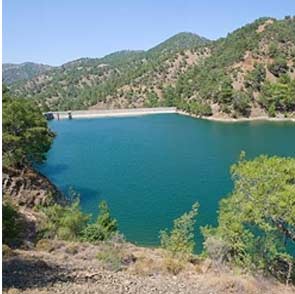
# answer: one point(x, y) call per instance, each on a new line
point(151, 169)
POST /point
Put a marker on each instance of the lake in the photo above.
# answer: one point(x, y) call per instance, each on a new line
point(151, 169)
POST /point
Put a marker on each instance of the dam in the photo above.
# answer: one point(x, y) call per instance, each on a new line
point(108, 113)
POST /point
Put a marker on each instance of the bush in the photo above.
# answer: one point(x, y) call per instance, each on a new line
point(278, 67)
point(111, 256)
point(64, 222)
point(256, 222)
point(200, 108)
point(216, 248)
point(104, 227)
point(180, 241)
point(241, 103)
point(26, 137)
point(174, 265)
point(255, 78)
point(279, 95)
point(11, 224)
point(272, 110)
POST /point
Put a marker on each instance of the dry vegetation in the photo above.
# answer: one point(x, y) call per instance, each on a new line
point(67, 267)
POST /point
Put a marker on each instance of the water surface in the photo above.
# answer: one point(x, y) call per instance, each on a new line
point(151, 169)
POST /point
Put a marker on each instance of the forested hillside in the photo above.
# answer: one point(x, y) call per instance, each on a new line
point(121, 79)
point(248, 73)
point(17, 72)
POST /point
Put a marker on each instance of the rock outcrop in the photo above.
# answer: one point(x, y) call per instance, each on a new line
point(29, 188)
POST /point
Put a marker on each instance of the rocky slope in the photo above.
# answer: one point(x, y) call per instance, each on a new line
point(60, 267)
point(28, 188)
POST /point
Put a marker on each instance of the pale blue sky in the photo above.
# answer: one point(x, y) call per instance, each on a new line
point(57, 31)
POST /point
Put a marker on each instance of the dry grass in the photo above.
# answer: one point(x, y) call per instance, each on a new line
point(174, 265)
point(7, 251)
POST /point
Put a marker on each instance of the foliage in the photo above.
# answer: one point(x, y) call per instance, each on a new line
point(198, 108)
point(68, 222)
point(11, 224)
point(279, 96)
point(24, 71)
point(217, 79)
point(64, 222)
point(111, 255)
point(278, 67)
point(152, 99)
point(216, 248)
point(257, 221)
point(178, 42)
point(26, 137)
point(273, 49)
point(241, 103)
point(104, 227)
point(87, 81)
point(174, 265)
point(180, 240)
point(255, 78)
point(169, 96)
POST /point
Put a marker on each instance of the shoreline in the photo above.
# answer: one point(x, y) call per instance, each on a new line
point(80, 114)
point(242, 119)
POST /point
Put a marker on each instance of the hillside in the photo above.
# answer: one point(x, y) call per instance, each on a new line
point(18, 72)
point(250, 72)
point(73, 267)
point(121, 79)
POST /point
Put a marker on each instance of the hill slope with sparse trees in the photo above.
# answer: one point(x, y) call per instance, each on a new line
point(249, 73)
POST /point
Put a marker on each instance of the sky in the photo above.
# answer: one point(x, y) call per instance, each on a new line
point(56, 31)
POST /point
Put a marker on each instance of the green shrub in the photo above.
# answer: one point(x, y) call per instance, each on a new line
point(104, 227)
point(64, 222)
point(200, 108)
point(256, 77)
point(256, 222)
point(279, 96)
point(152, 99)
point(111, 256)
point(180, 240)
point(11, 224)
point(241, 103)
point(273, 50)
point(216, 248)
point(26, 137)
point(272, 110)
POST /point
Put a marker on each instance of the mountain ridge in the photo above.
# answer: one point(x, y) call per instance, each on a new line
point(12, 72)
point(234, 76)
